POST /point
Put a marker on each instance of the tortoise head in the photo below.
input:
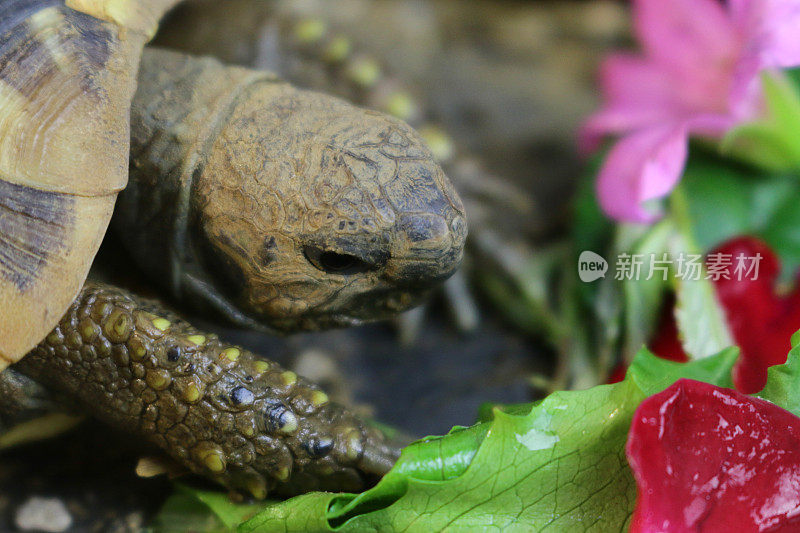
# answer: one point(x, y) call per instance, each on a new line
point(314, 213)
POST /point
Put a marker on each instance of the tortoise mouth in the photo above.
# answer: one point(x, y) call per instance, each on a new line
point(372, 306)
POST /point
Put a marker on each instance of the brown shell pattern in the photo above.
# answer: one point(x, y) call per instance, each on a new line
point(67, 74)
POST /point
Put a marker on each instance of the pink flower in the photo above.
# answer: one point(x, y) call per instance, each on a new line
point(698, 74)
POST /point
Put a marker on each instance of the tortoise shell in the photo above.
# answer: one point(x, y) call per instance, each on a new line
point(67, 77)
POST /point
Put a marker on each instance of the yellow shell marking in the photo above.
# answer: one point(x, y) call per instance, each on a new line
point(158, 379)
point(118, 326)
point(282, 474)
point(214, 462)
point(121, 325)
point(55, 338)
point(138, 15)
point(10, 97)
point(48, 19)
point(89, 330)
point(137, 349)
point(211, 456)
point(257, 488)
point(290, 423)
point(353, 444)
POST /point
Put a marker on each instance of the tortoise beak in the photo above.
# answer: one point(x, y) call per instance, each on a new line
point(429, 248)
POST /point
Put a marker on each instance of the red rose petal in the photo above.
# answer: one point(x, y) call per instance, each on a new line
point(665, 343)
point(761, 321)
point(708, 459)
point(617, 373)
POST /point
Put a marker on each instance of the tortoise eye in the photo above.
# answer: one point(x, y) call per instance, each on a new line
point(334, 262)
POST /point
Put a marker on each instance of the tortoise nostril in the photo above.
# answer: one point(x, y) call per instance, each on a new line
point(429, 249)
point(334, 262)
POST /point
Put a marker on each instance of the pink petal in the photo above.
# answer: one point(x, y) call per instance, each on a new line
point(745, 100)
point(708, 459)
point(638, 93)
point(769, 29)
point(746, 13)
point(780, 47)
point(685, 34)
point(712, 125)
point(642, 166)
point(614, 122)
point(629, 80)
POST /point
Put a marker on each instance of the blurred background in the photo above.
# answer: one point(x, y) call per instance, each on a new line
point(498, 88)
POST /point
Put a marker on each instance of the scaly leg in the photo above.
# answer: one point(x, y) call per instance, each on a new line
point(217, 409)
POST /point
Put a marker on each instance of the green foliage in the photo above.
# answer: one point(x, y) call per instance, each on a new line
point(698, 314)
point(725, 199)
point(771, 143)
point(190, 509)
point(783, 381)
point(642, 296)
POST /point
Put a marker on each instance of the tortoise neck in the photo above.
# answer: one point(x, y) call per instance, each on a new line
point(180, 106)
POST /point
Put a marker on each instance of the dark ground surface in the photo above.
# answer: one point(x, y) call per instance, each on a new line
point(91, 470)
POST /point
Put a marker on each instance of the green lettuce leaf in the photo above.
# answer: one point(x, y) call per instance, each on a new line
point(783, 381)
point(561, 466)
point(203, 511)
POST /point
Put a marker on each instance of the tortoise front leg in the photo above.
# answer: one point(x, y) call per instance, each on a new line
point(216, 408)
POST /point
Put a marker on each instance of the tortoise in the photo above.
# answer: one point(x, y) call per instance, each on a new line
point(278, 207)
